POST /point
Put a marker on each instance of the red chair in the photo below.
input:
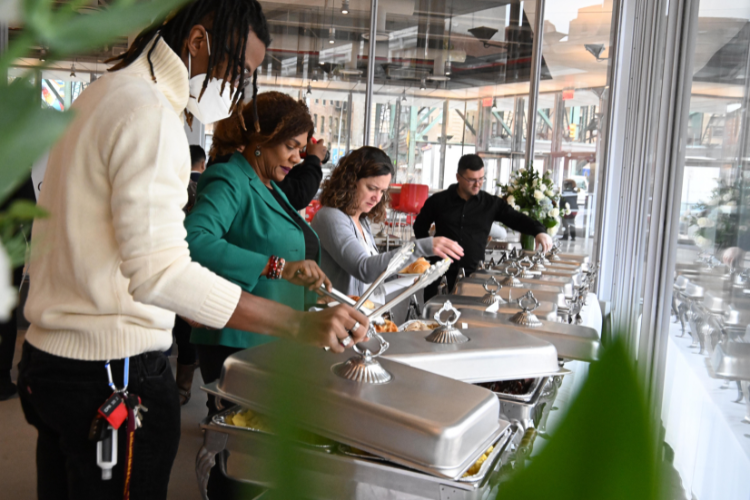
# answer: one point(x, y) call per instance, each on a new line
point(413, 197)
point(411, 201)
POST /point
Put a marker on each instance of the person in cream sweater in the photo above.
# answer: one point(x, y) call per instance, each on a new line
point(110, 266)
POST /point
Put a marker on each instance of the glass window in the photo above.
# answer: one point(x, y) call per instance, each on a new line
point(712, 253)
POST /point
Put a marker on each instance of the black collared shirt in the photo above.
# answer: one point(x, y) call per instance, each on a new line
point(469, 222)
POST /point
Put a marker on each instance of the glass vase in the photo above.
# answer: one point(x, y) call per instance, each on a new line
point(528, 242)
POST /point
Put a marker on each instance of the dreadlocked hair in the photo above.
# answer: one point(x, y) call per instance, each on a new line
point(340, 189)
point(228, 21)
point(282, 118)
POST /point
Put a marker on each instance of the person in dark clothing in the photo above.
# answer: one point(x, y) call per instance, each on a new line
point(301, 184)
point(186, 353)
point(569, 200)
point(9, 329)
point(464, 213)
point(198, 162)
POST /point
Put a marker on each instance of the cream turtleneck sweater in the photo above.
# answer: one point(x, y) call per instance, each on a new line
point(110, 267)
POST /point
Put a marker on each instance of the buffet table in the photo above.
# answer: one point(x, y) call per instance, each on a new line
point(704, 426)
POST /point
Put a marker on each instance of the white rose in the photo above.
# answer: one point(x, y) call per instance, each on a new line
point(712, 202)
point(516, 207)
point(553, 230)
point(567, 206)
point(7, 290)
point(727, 197)
point(538, 195)
point(710, 223)
point(702, 222)
point(568, 211)
point(511, 200)
point(549, 193)
point(554, 212)
point(522, 169)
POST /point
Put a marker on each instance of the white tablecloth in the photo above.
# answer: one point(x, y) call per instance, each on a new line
point(704, 426)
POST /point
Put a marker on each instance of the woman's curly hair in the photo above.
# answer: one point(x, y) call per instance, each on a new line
point(280, 118)
point(340, 189)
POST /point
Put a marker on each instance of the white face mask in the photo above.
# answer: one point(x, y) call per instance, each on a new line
point(214, 105)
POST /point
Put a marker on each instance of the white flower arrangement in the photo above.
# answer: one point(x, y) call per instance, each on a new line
point(535, 196)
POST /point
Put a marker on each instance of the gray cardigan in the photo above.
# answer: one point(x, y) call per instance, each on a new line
point(345, 262)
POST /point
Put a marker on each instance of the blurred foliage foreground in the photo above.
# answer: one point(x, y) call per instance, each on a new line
point(603, 449)
point(26, 130)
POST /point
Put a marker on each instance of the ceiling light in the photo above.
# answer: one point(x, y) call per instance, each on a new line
point(315, 76)
point(309, 89)
point(423, 84)
point(331, 35)
point(447, 68)
point(403, 97)
point(43, 54)
point(73, 69)
point(345, 7)
point(494, 105)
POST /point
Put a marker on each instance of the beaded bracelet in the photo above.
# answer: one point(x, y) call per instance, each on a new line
point(275, 267)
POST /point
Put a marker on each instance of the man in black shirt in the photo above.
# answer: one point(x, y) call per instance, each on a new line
point(465, 213)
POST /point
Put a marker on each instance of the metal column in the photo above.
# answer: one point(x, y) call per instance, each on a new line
point(536, 70)
point(443, 143)
point(370, 68)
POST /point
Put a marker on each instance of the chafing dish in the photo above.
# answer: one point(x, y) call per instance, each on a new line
point(571, 341)
point(529, 405)
point(547, 310)
point(471, 288)
point(405, 420)
point(564, 258)
point(731, 360)
point(489, 355)
point(474, 285)
point(345, 473)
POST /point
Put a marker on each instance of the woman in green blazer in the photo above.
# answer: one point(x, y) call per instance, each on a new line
point(241, 221)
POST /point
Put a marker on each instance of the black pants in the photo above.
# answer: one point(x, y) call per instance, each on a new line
point(61, 396)
point(8, 332)
point(569, 228)
point(185, 350)
point(221, 487)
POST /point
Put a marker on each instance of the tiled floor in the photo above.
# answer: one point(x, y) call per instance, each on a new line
point(18, 441)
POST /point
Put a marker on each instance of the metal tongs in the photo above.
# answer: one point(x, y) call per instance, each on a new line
point(364, 367)
point(395, 264)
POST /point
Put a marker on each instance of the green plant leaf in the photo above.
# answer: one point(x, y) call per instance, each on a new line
point(82, 32)
point(26, 132)
point(603, 449)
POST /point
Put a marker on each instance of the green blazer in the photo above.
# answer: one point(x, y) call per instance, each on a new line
point(235, 226)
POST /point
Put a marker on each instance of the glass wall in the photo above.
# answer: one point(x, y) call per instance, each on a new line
point(450, 79)
point(706, 397)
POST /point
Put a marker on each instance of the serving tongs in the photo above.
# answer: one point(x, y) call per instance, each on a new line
point(365, 368)
point(396, 263)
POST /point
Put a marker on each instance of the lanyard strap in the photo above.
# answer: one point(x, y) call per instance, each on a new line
point(125, 376)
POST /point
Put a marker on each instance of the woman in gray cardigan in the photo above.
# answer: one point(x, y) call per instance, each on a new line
point(354, 195)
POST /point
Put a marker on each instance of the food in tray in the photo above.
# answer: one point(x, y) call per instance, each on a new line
point(387, 327)
point(474, 469)
point(249, 419)
point(515, 387)
point(419, 326)
point(419, 266)
point(368, 303)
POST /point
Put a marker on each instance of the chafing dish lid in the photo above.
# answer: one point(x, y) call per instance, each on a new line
point(488, 356)
point(420, 420)
point(731, 360)
point(571, 341)
point(546, 309)
point(474, 285)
